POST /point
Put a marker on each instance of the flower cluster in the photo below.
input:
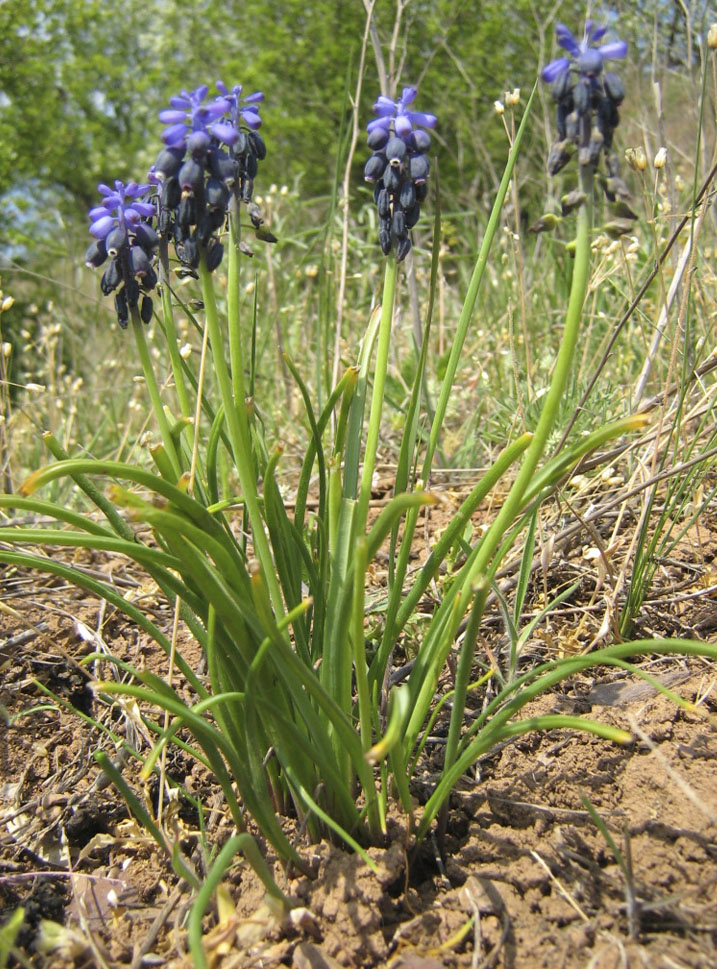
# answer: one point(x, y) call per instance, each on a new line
point(212, 151)
point(123, 232)
point(399, 168)
point(587, 97)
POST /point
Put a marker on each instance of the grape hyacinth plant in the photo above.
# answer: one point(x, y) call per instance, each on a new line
point(399, 168)
point(123, 231)
point(293, 712)
point(212, 154)
point(588, 99)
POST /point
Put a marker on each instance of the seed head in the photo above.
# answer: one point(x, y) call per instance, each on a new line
point(636, 159)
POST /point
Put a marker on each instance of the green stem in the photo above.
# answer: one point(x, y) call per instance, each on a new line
point(235, 349)
point(379, 383)
point(239, 437)
point(154, 394)
point(170, 331)
point(486, 561)
point(472, 295)
point(514, 501)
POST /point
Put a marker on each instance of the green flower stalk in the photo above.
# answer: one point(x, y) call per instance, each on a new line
point(398, 168)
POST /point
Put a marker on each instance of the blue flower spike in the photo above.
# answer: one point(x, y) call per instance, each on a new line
point(587, 97)
point(398, 168)
point(123, 230)
point(212, 153)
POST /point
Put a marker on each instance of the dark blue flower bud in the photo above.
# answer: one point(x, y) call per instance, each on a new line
point(131, 289)
point(398, 223)
point(383, 203)
point(150, 279)
point(217, 193)
point(614, 88)
point(420, 140)
point(407, 194)
point(198, 145)
point(187, 212)
point(215, 218)
point(418, 168)
point(384, 236)
point(608, 119)
point(421, 191)
point(145, 235)
point(171, 194)
point(168, 162)
point(122, 309)
point(139, 261)
point(215, 251)
point(581, 95)
point(191, 176)
point(188, 252)
point(111, 278)
point(165, 222)
point(391, 179)
point(412, 215)
point(257, 143)
point(374, 167)
point(395, 151)
point(377, 138)
point(251, 165)
point(561, 86)
point(116, 240)
point(562, 113)
point(240, 145)
point(559, 155)
point(247, 189)
point(403, 248)
point(223, 167)
point(146, 309)
point(96, 253)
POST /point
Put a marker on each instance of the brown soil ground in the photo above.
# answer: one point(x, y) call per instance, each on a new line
point(524, 878)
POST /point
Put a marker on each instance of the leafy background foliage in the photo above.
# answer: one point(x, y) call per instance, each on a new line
point(82, 83)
